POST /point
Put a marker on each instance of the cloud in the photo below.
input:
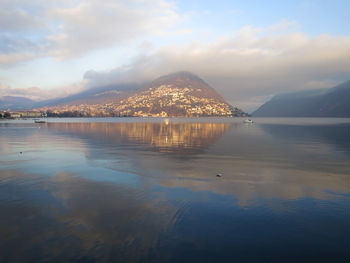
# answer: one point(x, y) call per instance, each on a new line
point(21, 25)
point(248, 66)
point(20, 16)
point(95, 24)
point(12, 58)
point(36, 93)
point(68, 29)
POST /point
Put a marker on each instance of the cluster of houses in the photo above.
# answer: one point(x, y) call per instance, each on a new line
point(21, 114)
point(170, 100)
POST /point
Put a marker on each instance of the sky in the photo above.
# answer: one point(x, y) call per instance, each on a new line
point(247, 50)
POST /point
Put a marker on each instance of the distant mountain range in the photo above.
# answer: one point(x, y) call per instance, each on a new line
point(13, 103)
point(333, 102)
point(177, 94)
point(108, 94)
point(100, 95)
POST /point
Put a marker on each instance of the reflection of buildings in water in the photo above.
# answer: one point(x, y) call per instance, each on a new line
point(176, 137)
point(289, 174)
point(164, 137)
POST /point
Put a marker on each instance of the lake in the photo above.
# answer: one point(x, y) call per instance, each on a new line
point(146, 190)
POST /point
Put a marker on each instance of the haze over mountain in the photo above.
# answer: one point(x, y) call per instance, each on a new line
point(15, 103)
point(92, 96)
point(333, 102)
point(177, 94)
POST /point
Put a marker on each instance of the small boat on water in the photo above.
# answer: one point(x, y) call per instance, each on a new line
point(39, 121)
point(248, 121)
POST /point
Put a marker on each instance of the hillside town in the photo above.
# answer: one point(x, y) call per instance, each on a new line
point(169, 100)
point(161, 101)
point(179, 94)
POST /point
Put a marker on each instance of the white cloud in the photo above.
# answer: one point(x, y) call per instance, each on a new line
point(248, 65)
point(20, 22)
point(36, 93)
point(20, 16)
point(95, 24)
point(66, 29)
point(12, 58)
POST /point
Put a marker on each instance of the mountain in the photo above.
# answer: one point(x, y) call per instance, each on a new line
point(15, 103)
point(100, 95)
point(177, 94)
point(93, 96)
point(183, 80)
point(334, 102)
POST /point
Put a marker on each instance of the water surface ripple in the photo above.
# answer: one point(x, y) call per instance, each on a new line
point(146, 190)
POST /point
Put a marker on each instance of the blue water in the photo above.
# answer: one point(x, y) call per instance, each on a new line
point(146, 190)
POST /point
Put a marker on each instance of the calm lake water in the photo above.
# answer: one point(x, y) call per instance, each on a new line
point(145, 190)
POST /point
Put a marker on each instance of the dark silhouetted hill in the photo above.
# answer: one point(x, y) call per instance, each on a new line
point(334, 102)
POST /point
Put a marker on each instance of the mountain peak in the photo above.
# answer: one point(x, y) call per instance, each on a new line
point(177, 94)
point(178, 78)
point(180, 74)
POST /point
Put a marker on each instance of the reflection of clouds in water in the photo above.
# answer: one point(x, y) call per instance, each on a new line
point(254, 163)
point(31, 139)
point(67, 217)
point(124, 218)
point(93, 218)
point(94, 211)
point(319, 139)
point(250, 181)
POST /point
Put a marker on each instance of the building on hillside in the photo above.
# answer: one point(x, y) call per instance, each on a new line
point(15, 115)
point(22, 114)
point(31, 114)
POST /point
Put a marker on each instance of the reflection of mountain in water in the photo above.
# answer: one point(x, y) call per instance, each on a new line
point(334, 135)
point(163, 137)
